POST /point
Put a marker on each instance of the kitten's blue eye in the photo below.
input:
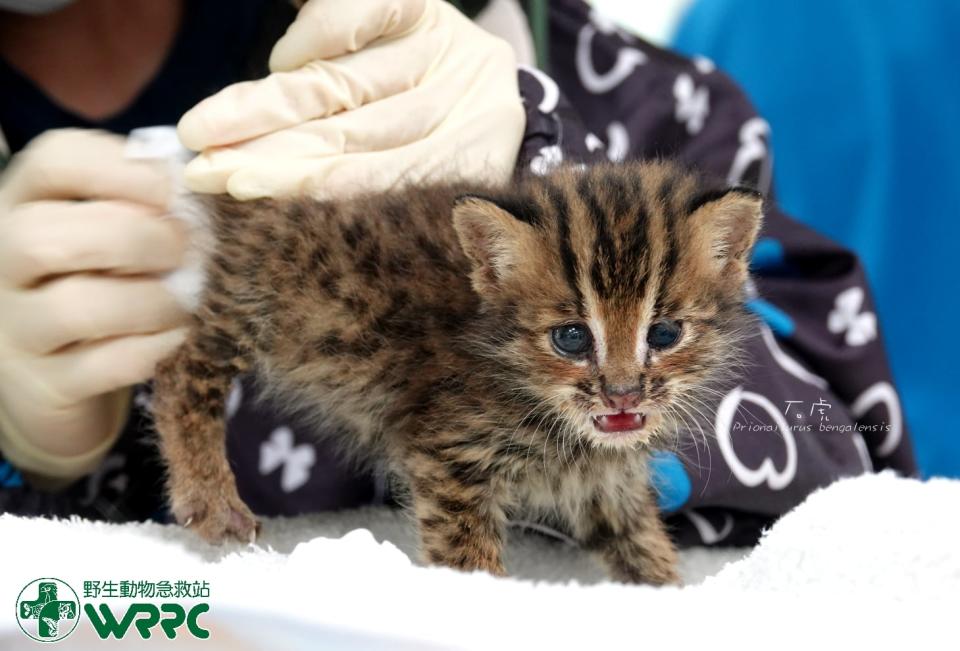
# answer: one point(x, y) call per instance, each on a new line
point(573, 339)
point(663, 334)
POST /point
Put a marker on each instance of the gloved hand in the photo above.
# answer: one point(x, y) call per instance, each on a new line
point(363, 96)
point(82, 314)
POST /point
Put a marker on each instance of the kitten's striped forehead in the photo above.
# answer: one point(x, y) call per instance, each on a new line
point(615, 228)
point(616, 233)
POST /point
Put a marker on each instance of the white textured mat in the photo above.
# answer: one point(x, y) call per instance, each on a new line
point(875, 558)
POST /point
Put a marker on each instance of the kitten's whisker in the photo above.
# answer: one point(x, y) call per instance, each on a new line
point(549, 435)
point(684, 406)
point(680, 429)
point(568, 416)
point(536, 431)
point(741, 408)
point(689, 435)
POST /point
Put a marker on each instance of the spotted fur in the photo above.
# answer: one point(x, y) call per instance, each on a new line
point(426, 341)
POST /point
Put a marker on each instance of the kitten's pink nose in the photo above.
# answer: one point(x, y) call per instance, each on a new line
point(616, 398)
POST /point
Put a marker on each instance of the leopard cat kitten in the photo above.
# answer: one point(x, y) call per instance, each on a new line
point(504, 352)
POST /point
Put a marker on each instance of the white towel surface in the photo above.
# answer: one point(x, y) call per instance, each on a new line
point(869, 560)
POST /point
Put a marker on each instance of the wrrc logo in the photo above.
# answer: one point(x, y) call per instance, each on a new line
point(48, 610)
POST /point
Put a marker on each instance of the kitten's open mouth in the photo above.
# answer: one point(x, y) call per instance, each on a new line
point(624, 421)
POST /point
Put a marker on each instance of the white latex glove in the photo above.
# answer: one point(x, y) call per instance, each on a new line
point(83, 313)
point(365, 95)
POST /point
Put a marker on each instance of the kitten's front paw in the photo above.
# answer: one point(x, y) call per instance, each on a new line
point(216, 516)
point(646, 557)
point(647, 575)
point(465, 561)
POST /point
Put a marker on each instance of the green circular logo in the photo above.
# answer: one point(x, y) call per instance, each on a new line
point(48, 610)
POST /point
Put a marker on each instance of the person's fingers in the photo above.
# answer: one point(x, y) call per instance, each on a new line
point(47, 238)
point(325, 29)
point(372, 127)
point(95, 368)
point(83, 307)
point(333, 177)
point(443, 154)
point(318, 89)
point(82, 164)
point(209, 171)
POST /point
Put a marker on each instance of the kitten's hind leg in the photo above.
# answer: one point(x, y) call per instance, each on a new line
point(190, 390)
point(461, 521)
point(627, 532)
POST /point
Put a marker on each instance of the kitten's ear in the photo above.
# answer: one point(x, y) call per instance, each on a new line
point(492, 238)
point(729, 221)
